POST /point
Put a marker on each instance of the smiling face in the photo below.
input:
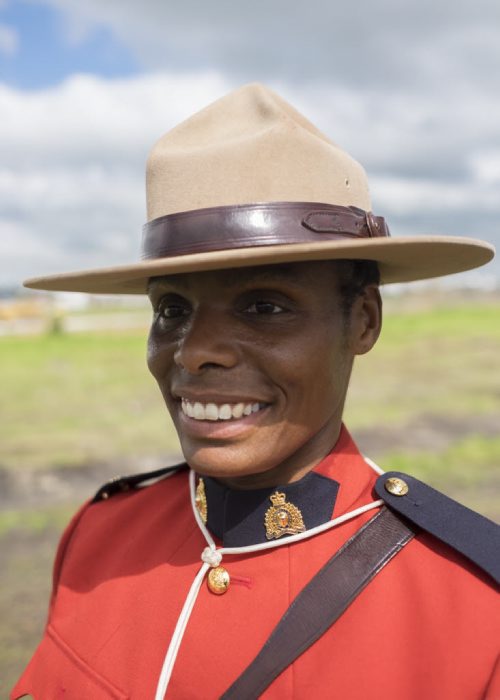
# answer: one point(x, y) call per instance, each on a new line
point(254, 365)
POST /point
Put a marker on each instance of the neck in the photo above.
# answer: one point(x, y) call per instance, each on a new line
point(294, 469)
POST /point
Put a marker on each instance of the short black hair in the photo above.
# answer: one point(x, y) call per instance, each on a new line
point(353, 276)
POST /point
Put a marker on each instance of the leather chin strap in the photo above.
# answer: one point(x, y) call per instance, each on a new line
point(251, 225)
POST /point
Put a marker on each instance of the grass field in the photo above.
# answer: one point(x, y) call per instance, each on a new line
point(426, 400)
point(74, 399)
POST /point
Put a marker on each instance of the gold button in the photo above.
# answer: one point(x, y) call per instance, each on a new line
point(218, 580)
point(396, 486)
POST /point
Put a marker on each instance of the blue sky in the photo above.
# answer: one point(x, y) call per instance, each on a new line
point(411, 90)
point(46, 55)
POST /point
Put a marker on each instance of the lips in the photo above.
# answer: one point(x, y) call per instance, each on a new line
point(218, 412)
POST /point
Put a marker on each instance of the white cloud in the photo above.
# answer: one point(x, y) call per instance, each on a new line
point(409, 197)
point(88, 119)
point(72, 167)
point(9, 40)
point(373, 44)
point(486, 167)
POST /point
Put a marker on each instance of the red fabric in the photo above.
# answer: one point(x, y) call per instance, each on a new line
point(425, 627)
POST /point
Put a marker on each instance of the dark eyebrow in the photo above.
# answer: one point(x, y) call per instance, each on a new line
point(233, 276)
point(167, 281)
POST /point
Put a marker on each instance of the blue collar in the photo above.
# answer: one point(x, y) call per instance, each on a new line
point(238, 517)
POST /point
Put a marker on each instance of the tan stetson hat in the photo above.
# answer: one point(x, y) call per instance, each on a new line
point(249, 181)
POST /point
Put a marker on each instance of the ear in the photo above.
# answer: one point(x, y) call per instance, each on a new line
point(366, 320)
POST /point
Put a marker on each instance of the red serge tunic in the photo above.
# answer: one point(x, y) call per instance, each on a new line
point(427, 626)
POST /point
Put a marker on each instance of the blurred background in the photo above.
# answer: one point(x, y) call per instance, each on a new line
point(412, 91)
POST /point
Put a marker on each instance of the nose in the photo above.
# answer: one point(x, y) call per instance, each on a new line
point(207, 342)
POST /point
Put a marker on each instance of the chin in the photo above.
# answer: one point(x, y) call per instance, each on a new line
point(223, 462)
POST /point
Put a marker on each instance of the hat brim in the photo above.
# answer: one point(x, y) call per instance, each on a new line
point(402, 259)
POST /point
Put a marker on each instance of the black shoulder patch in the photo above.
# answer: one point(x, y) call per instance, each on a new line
point(121, 484)
point(469, 533)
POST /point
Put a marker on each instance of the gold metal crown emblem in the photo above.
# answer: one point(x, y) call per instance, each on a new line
point(278, 498)
point(282, 518)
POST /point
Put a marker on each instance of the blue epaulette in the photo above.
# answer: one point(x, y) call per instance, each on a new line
point(122, 484)
point(469, 533)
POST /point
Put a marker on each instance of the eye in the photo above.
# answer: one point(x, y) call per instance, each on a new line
point(173, 311)
point(172, 307)
point(264, 307)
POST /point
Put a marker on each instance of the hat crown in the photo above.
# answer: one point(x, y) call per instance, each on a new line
point(249, 146)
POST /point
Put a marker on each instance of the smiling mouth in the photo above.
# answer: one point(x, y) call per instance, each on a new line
point(219, 412)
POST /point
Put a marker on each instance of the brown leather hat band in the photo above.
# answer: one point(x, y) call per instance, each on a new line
point(250, 225)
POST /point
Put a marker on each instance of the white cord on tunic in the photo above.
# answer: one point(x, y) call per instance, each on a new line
point(374, 466)
point(212, 556)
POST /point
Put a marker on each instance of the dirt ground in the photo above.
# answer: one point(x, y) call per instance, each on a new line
point(27, 551)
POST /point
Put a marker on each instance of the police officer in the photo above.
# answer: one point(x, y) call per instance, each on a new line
point(277, 562)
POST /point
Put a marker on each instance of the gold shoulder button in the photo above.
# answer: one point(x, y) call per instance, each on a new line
point(396, 486)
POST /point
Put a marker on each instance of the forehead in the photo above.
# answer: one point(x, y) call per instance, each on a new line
point(301, 274)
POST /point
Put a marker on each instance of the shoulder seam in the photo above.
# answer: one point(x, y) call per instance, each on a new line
point(132, 482)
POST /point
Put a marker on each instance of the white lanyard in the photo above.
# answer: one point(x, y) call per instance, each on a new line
point(212, 556)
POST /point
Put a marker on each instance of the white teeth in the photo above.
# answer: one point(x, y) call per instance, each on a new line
point(198, 411)
point(238, 410)
point(213, 412)
point(225, 412)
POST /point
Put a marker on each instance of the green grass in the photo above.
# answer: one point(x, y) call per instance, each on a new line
point(443, 361)
point(73, 399)
point(35, 521)
point(464, 462)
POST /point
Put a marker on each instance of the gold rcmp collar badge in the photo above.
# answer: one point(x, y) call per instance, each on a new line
point(282, 518)
point(200, 501)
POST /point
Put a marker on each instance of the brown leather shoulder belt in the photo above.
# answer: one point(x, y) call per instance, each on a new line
point(323, 600)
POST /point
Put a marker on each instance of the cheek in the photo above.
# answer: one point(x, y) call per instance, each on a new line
point(325, 382)
point(152, 353)
point(158, 357)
